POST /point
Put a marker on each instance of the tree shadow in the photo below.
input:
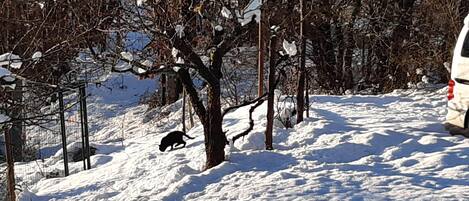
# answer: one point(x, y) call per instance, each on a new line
point(73, 193)
point(376, 144)
point(376, 101)
point(261, 161)
point(385, 170)
point(336, 123)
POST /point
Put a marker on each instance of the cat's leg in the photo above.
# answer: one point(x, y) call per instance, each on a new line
point(183, 144)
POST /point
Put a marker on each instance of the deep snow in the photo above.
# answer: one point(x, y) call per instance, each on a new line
point(352, 148)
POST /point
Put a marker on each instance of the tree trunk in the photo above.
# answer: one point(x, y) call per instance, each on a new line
point(215, 139)
point(17, 127)
point(211, 118)
point(270, 98)
point(349, 47)
point(307, 95)
point(338, 39)
point(260, 60)
point(191, 117)
point(10, 166)
point(400, 34)
point(300, 95)
point(163, 89)
point(173, 88)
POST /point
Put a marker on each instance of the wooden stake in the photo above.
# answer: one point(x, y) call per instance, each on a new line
point(85, 128)
point(10, 166)
point(62, 132)
point(191, 116)
point(163, 89)
point(270, 98)
point(184, 110)
point(307, 95)
point(82, 124)
point(260, 62)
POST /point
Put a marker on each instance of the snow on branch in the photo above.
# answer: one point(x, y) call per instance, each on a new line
point(4, 118)
point(127, 55)
point(179, 31)
point(4, 72)
point(226, 13)
point(11, 60)
point(289, 48)
point(252, 11)
point(7, 79)
point(36, 56)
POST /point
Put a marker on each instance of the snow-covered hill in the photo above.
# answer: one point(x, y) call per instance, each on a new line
point(352, 148)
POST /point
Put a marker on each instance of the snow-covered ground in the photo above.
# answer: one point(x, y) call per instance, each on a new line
point(388, 147)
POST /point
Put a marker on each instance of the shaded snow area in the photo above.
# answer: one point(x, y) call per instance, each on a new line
point(352, 148)
point(115, 104)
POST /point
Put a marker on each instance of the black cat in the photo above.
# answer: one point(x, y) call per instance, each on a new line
point(172, 138)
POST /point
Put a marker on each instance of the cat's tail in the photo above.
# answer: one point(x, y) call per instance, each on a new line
point(188, 136)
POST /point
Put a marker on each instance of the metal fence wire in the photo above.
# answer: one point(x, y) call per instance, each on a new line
point(3, 181)
point(42, 146)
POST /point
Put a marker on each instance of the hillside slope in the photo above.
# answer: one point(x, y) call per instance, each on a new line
point(352, 148)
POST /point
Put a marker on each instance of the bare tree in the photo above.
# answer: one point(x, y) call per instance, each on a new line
point(194, 37)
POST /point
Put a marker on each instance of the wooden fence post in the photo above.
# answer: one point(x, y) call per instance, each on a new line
point(85, 127)
point(63, 132)
point(11, 196)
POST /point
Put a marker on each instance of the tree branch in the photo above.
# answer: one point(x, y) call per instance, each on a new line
point(246, 103)
point(194, 96)
point(251, 121)
point(191, 56)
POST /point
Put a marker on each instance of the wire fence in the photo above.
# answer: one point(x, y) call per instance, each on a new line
point(3, 181)
point(41, 138)
point(42, 153)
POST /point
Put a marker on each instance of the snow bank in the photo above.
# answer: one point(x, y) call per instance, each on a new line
point(26, 195)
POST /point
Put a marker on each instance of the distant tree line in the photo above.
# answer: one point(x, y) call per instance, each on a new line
point(379, 45)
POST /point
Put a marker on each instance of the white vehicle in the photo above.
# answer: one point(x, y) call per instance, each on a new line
point(457, 119)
